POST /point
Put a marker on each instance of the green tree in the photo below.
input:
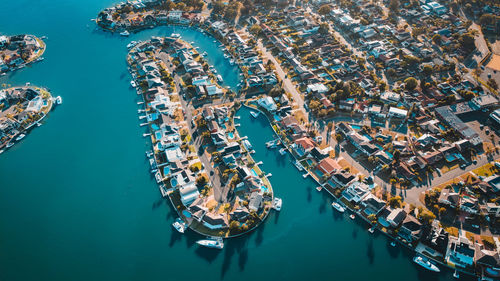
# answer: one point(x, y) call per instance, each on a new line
point(324, 9)
point(410, 83)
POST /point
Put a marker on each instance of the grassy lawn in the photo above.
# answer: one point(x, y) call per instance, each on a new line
point(486, 170)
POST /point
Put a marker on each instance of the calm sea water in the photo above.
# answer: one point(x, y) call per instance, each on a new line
point(77, 201)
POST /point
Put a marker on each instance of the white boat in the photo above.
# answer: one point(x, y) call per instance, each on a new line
point(175, 35)
point(371, 229)
point(226, 56)
point(231, 62)
point(305, 175)
point(298, 165)
point(352, 216)
point(1, 151)
point(58, 100)
point(455, 274)
point(179, 225)
point(283, 151)
point(132, 83)
point(20, 137)
point(131, 45)
point(393, 244)
point(125, 33)
point(216, 243)
point(426, 263)
point(338, 207)
point(254, 114)
point(277, 203)
point(204, 54)
point(10, 144)
point(219, 78)
point(319, 188)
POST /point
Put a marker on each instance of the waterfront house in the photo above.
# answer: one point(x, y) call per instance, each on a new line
point(215, 221)
point(411, 229)
point(303, 145)
point(327, 167)
point(460, 252)
point(255, 201)
point(189, 193)
point(487, 262)
point(395, 217)
point(355, 192)
point(267, 103)
point(372, 204)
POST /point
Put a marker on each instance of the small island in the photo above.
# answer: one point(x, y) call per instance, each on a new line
point(19, 50)
point(21, 108)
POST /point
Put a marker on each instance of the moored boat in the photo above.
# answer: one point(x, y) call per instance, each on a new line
point(338, 207)
point(215, 243)
point(58, 100)
point(175, 35)
point(371, 229)
point(125, 33)
point(283, 151)
point(179, 225)
point(277, 203)
point(254, 114)
point(132, 83)
point(20, 137)
point(426, 263)
point(352, 216)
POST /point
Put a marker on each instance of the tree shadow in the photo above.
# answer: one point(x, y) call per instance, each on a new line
point(393, 251)
point(157, 204)
point(174, 237)
point(236, 246)
point(276, 217)
point(309, 195)
point(370, 252)
point(260, 235)
point(207, 254)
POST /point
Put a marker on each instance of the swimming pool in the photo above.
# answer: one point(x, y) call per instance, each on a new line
point(173, 182)
point(230, 135)
point(356, 127)
point(254, 173)
point(264, 189)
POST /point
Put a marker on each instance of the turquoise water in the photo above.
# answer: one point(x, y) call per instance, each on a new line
point(77, 201)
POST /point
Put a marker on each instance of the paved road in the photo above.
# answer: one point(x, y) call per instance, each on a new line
point(188, 114)
point(287, 83)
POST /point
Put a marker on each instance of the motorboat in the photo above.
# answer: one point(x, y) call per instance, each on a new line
point(1, 151)
point(10, 144)
point(131, 45)
point(179, 225)
point(254, 114)
point(125, 33)
point(175, 35)
point(283, 151)
point(393, 243)
point(456, 274)
point(219, 78)
point(352, 216)
point(338, 207)
point(371, 229)
point(133, 84)
point(58, 100)
point(426, 263)
point(20, 137)
point(277, 203)
point(215, 243)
